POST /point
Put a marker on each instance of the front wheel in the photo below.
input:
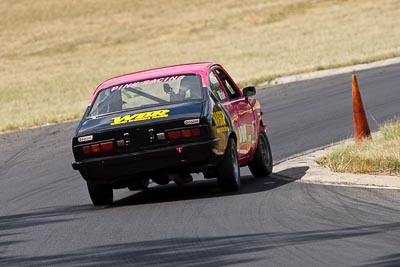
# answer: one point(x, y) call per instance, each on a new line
point(261, 165)
point(229, 170)
point(100, 194)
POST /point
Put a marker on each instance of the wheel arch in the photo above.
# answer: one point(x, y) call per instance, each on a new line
point(233, 136)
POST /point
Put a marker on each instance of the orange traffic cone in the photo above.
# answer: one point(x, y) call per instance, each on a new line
point(361, 128)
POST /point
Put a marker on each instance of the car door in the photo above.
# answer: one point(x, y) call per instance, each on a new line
point(242, 115)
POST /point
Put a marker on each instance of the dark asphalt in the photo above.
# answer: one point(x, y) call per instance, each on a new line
point(309, 114)
point(46, 218)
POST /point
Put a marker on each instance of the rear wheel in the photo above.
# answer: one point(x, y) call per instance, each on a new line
point(100, 194)
point(229, 170)
point(261, 165)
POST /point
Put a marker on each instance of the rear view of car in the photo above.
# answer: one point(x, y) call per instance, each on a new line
point(159, 125)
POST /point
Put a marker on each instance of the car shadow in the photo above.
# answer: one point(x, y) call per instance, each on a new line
point(199, 190)
point(295, 173)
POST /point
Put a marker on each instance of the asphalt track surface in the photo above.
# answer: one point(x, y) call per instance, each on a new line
point(46, 218)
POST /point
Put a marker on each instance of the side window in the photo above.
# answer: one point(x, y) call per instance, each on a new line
point(216, 88)
point(228, 84)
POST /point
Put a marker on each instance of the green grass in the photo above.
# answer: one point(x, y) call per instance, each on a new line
point(54, 53)
point(379, 155)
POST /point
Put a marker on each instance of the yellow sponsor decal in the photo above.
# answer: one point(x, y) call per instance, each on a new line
point(163, 113)
point(222, 129)
point(220, 121)
point(219, 118)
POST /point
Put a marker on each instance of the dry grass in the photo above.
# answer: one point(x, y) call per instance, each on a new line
point(381, 155)
point(54, 53)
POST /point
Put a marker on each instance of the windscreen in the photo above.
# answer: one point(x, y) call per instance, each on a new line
point(139, 94)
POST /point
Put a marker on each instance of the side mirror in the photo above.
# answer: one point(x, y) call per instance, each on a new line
point(249, 91)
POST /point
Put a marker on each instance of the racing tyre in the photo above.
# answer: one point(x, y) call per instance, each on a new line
point(100, 194)
point(261, 165)
point(229, 170)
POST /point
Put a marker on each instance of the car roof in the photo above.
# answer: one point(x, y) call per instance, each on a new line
point(200, 68)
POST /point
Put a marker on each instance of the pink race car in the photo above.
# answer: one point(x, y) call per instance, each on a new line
point(164, 124)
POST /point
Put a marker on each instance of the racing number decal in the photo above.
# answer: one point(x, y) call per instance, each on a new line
point(163, 113)
point(245, 133)
point(220, 121)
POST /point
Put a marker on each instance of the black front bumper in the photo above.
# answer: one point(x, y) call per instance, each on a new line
point(114, 168)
